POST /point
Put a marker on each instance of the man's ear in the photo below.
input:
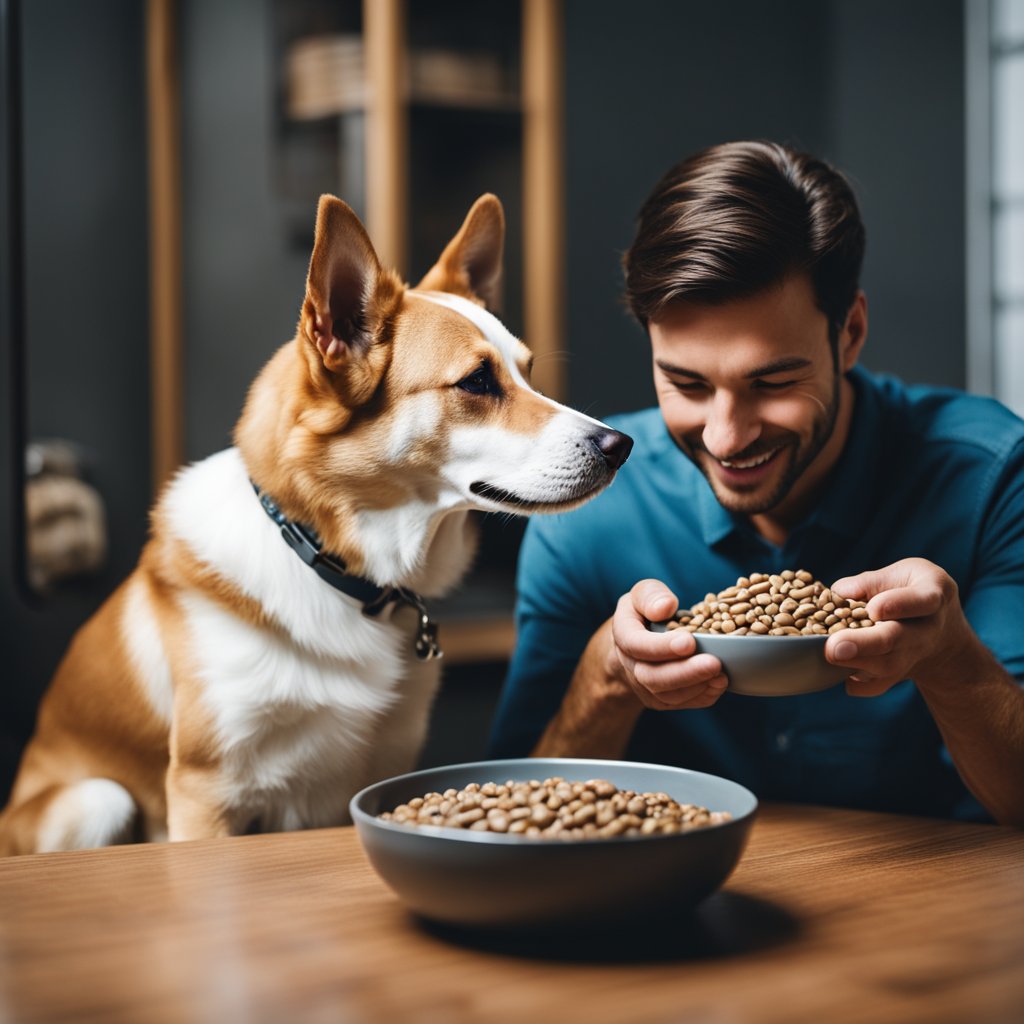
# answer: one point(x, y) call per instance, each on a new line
point(348, 296)
point(854, 332)
point(472, 261)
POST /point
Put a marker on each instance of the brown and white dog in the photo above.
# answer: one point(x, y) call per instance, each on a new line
point(227, 685)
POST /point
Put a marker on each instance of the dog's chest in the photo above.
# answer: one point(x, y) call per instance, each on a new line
point(295, 729)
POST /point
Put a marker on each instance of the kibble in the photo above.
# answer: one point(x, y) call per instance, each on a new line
point(790, 603)
point(555, 809)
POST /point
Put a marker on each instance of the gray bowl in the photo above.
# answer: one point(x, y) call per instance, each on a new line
point(769, 666)
point(490, 880)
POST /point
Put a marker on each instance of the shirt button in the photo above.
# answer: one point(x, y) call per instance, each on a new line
point(782, 741)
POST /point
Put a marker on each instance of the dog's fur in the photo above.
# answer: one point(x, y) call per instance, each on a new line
point(225, 686)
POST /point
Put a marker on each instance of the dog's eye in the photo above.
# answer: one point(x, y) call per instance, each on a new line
point(480, 382)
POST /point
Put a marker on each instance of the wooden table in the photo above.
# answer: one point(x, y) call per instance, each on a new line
point(831, 916)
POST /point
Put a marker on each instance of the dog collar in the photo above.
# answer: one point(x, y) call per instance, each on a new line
point(374, 598)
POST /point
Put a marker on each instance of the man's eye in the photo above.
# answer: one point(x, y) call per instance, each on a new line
point(689, 386)
point(480, 382)
point(773, 385)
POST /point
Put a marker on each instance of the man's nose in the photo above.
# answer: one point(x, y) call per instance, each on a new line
point(731, 427)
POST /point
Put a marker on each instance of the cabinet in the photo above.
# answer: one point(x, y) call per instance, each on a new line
point(409, 109)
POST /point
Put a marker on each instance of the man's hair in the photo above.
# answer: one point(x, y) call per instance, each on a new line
point(740, 217)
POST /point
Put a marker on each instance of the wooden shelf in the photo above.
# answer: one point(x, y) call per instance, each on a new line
point(468, 641)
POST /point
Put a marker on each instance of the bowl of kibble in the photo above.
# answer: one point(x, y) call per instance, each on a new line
point(769, 632)
point(553, 842)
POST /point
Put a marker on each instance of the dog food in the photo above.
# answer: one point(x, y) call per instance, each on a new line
point(788, 604)
point(555, 809)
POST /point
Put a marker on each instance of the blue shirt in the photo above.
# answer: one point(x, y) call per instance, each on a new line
point(925, 472)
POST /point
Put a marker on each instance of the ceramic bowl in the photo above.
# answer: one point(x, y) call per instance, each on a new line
point(496, 881)
point(770, 666)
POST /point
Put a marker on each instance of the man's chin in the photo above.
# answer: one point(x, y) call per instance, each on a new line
point(752, 499)
point(751, 504)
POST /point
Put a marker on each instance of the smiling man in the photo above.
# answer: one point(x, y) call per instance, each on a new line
point(772, 449)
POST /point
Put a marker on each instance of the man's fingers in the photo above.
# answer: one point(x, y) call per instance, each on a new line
point(859, 647)
point(665, 677)
point(635, 640)
point(653, 600)
point(908, 573)
point(700, 696)
point(637, 643)
point(868, 686)
point(906, 603)
point(863, 586)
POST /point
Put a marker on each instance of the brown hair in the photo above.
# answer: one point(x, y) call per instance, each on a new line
point(739, 217)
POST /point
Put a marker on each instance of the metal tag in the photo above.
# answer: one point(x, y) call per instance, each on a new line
point(427, 646)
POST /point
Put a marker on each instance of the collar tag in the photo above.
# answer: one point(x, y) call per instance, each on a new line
point(428, 647)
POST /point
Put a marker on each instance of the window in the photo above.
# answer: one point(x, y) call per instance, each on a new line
point(995, 184)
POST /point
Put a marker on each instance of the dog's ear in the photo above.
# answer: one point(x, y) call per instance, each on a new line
point(471, 262)
point(348, 297)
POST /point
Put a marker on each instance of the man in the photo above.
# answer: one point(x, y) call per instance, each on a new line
point(771, 449)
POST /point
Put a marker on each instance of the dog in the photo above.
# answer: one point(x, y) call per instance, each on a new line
point(271, 653)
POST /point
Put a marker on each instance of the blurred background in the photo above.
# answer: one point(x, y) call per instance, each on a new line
point(160, 169)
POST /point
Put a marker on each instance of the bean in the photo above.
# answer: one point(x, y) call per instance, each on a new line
point(781, 604)
point(595, 809)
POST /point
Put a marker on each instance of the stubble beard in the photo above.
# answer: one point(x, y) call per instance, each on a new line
point(798, 461)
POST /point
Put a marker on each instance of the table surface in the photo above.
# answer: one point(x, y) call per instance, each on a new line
point(831, 916)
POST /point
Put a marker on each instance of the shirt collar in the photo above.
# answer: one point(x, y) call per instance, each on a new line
point(716, 522)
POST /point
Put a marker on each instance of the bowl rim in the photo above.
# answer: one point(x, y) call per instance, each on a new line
point(361, 817)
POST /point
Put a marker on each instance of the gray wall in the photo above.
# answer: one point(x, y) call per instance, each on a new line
point(86, 341)
point(896, 125)
point(873, 86)
point(243, 282)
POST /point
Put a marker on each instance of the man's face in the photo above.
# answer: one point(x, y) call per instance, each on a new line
point(751, 392)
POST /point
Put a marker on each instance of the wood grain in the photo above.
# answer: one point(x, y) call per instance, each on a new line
point(831, 916)
point(543, 202)
point(165, 246)
point(387, 182)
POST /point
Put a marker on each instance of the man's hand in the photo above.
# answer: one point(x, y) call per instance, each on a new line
point(662, 669)
point(920, 630)
point(921, 633)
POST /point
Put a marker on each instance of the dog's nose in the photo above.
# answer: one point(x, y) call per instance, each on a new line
point(615, 447)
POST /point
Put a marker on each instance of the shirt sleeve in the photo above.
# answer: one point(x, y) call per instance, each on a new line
point(555, 619)
point(994, 604)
